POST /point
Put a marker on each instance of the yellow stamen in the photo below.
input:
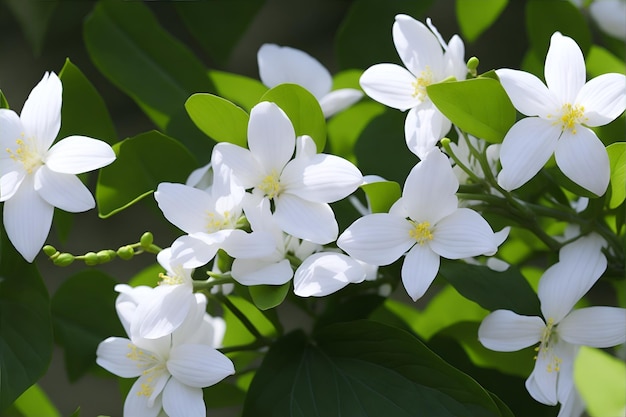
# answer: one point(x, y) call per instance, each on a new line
point(571, 117)
point(421, 232)
point(216, 222)
point(26, 153)
point(270, 185)
point(424, 80)
point(545, 348)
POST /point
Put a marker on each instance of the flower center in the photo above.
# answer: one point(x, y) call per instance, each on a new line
point(270, 185)
point(153, 368)
point(26, 153)
point(421, 232)
point(424, 79)
point(168, 280)
point(571, 116)
point(549, 338)
point(216, 222)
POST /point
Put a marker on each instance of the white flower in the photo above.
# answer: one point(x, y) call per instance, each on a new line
point(461, 151)
point(282, 64)
point(35, 175)
point(426, 222)
point(420, 49)
point(324, 273)
point(562, 111)
point(201, 178)
point(300, 188)
point(610, 15)
point(172, 370)
point(561, 330)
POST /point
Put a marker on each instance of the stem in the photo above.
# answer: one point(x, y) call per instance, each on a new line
point(210, 283)
point(242, 317)
point(257, 344)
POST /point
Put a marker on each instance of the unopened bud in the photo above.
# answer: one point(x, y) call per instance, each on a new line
point(472, 65)
point(90, 258)
point(49, 250)
point(105, 255)
point(146, 240)
point(64, 259)
point(126, 252)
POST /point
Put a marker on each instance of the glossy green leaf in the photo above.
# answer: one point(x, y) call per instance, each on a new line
point(4, 104)
point(303, 110)
point(617, 158)
point(475, 16)
point(81, 299)
point(241, 90)
point(34, 17)
point(601, 382)
point(269, 296)
point(83, 112)
point(219, 118)
point(382, 195)
point(345, 127)
point(478, 106)
point(143, 162)
point(544, 17)
point(361, 368)
point(35, 403)
point(25, 324)
point(492, 290)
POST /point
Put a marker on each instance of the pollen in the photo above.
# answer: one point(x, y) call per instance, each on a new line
point(419, 85)
point(168, 280)
point(146, 390)
point(271, 185)
point(26, 153)
point(546, 347)
point(571, 117)
point(217, 221)
point(421, 232)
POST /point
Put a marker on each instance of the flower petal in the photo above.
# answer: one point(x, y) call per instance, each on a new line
point(391, 85)
point(419, 269)
point(594, 326)
point(140, 404)
point(184, 206)
point(325, 273)
point(180, 400)
point(271, 137)
point(113, 354)
point(259, 271)
point(306, 220)
point(525, 149)
point(338, 100)
point(246, 170)
point(603, 98)
point(78, 154)
point(417, 46)
point(541, 385)
point(423, 127)
point(610, 16)
point(506, 331)
point(282, 64)
point(583, 159)
point(199, 365)
point(528, 94)
point(10, 183)
point(240, 244)
point(41, 114)
point(27, 220)
point(454, 59)
point(64, 191)
point(462, 234)
point(377, 239)
point(565, 68)
point(192, 252)
point(163, 313)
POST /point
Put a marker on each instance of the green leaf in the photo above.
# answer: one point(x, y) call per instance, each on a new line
point(269, 296)
point(345, 127)
point(303, 110)
point(34, 17)
point(127, 44)
point(492, 290)
point(83, 112)
point(4, 104)
point(25, 324)
point(617, 158)
point(478, 106)
point(219, 118)
point(148, 276)
point(81, 299)
point(361, 368)
point(239, 89)
point(35, 403)
point(223, 395)
point(381, 195)
point(601, 382)
point(601, 61)
point(236, 333)
point(213, 25)
point(143, 162)
point(475, 16)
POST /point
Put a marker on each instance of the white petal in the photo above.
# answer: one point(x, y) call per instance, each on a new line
point(180, 400)
point(64, 191)
point(580, 265)
point(417, 47)
point(78, 154)
point(198, 365)
point(12, 130)
point(594, 326)
point(572, 403)
point(41, 114)
point(11, 182)
point(610, 16)
point(201, 177)
point(391, 85)
point(282, 64)
point(525, 149)
point(163, 313)
point(506, 331)
point(337, 100)
point(565, 68)
point(429, 189)
point(192, 252)
point(27, 220)
point(462, 234)
point(321, 178)
point(246, 170)
point(140, 405)
point(377, 239)
point(423, 128)
point(603, 98)
point(454, 59)
point(325, 273)
point(584, 160)
point(240, 244)
point(257, 272)
point(184, 206)
point(528, 94)
point(271, 137)
point(419, 269)
point(306, 220)
point(541, 385)
point(114, 355)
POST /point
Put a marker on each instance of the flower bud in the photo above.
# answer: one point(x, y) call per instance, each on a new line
point(105, 255)
point(90, 258)
point(126, 252)
point(49, 250)
point(146, 240)
point(64, 259)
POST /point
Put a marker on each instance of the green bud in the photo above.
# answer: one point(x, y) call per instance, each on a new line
point(445, 142)
point(472, 64)
point(90, 258)
point(49, 250)
point(105, 255)
point(126, 252)
point(64, 259)
point(146, 240)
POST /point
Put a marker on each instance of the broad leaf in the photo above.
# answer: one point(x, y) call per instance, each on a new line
point(601, 61)
point(236, 333)
point(345, 127)
point(478, 106)
point(381, 195)
point(617, 158)
point(35, 403)
point(142, 163)
point(269, 296)
point(4, 104)
point(475, 16)
point(34, 17)
point(601, 380)
point(241, 90)
point(218, 118)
